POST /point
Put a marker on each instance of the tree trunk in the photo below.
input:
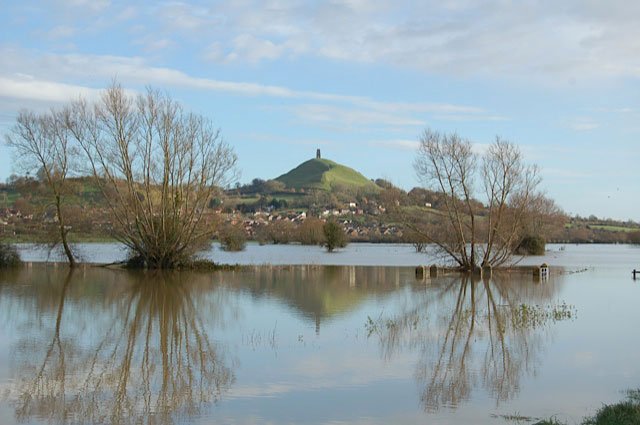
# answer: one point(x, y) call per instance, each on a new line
point(63, 234)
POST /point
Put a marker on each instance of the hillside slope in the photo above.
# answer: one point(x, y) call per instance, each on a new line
point(325, 174)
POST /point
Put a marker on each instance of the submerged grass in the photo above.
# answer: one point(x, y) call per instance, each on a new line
point(551, 421)
point(199, 264)
point(208, 265)
point(516, 417)
point(534, 316)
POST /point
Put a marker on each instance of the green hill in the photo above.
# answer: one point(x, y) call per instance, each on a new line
point(325, 175)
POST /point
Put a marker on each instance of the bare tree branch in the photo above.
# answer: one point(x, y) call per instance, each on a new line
point(476, 234)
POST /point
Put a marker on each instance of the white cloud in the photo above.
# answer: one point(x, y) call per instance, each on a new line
point(470, 117)
point(45, 91)
point(61, 31)
point(190, 18)
point(565, 41)
point(480, 148)
point(349, 117)
point(90, 5)
point(620, 110)
point(403, 144)
point(127, 13)
point(94, 69)
point(152, 44)
point(253, 50)
point(582, 124)
point(214, 52)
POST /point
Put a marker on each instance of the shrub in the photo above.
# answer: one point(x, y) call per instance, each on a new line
point(634, 237)
point(9, 256)
point(277, 232)
point(334, 236)
point(232, 238)
point(531, 245)
point(416, 239)
point(310, 232)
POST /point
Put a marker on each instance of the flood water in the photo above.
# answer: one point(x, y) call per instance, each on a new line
point(318, 344)
point(355, 254)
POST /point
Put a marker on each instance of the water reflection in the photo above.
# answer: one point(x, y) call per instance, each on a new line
point(108, 346)
point(473, 334)
point(147, 359)
point(319, 293)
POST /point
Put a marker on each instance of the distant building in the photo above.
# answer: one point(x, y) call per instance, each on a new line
point(318, 154)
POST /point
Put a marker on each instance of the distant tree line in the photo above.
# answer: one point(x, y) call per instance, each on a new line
point(311, 231)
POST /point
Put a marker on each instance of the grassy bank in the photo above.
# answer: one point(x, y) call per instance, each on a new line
point(625, 412)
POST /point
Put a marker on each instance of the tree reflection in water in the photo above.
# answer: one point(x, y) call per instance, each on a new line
point(470, 334)
point(153, 363)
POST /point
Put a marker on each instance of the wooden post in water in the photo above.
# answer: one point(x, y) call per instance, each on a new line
point(433, 271)
point(543, 272)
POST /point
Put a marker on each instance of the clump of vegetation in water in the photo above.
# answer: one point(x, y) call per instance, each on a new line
point(310, 232)
point(9, 256)
point(199, 264)
point(208, 265)
point(395, 324)
point(278, 232)
point(550, 421)
point(534, 316)
point(531, 245)
point(232, 238)
point(334, 236)
point(516, 417)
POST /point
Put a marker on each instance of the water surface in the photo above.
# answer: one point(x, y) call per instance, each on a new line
point(354, 254)
point(318, 344)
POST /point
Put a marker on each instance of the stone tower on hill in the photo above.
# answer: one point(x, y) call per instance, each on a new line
point(318, 154)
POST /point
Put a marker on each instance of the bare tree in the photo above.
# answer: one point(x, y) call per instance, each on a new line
point(41, 142)
point(471, 233)
point(157, 166)
point(545, 218)
point(510, 186)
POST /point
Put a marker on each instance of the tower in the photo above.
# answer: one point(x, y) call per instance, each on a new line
point(318, 154)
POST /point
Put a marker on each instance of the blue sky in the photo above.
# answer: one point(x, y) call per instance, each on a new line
point(359, 79)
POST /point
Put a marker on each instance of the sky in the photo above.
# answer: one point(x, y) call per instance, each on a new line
point(358, 79)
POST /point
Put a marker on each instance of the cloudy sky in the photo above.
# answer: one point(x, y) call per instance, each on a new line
point(359, 79)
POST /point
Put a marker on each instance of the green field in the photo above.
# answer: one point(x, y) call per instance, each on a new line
point(605, 227)
point(614, 228)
